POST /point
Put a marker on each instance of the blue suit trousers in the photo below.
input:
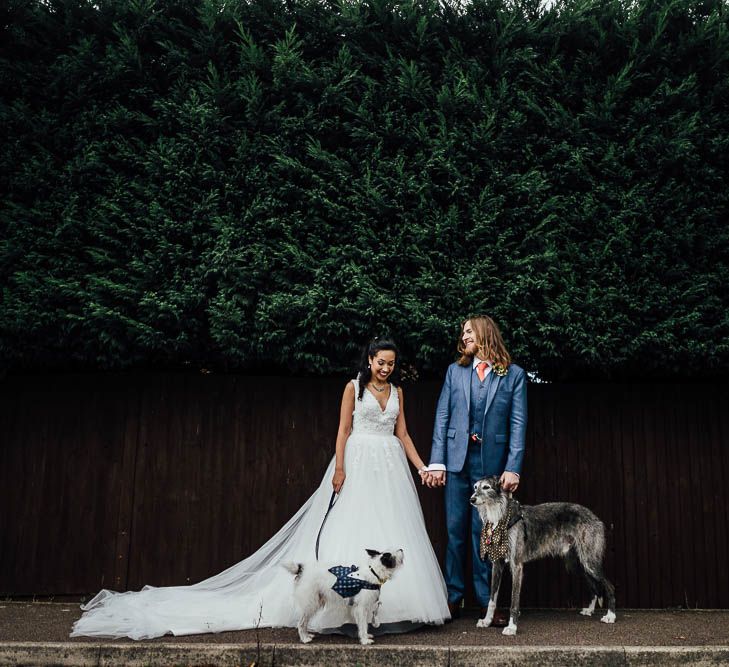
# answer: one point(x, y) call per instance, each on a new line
point(462, 523)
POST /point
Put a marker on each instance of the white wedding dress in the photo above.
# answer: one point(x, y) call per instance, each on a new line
point(377, 508)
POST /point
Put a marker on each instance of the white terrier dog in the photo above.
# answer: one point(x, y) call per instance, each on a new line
point(358, 587)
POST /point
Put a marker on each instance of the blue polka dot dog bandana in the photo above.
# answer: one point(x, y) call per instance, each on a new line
point(348, 586)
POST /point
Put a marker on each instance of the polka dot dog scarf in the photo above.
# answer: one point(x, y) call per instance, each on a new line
point(495, 538)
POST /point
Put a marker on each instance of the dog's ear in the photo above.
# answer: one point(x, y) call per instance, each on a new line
point(501, 488)
point(372, 553)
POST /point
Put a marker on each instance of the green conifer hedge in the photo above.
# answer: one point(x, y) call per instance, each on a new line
point(245, 185)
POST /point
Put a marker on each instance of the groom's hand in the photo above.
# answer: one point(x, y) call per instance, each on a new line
point(437, 478)
point(509, 481)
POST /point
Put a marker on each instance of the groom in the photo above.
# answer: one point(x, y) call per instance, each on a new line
point(480, 428)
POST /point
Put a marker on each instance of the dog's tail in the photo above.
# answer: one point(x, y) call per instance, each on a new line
point(295, 568)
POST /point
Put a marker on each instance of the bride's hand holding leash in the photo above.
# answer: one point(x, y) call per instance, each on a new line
point(338, 479)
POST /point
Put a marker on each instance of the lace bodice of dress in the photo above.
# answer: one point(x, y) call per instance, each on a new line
point(369, 417)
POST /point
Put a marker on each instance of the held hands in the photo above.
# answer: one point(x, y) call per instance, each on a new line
point(433, 479)
point(437, 478)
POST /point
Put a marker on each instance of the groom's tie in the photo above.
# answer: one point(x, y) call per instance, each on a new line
point(481, 370)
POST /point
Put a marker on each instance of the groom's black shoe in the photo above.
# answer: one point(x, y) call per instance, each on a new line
point(500, 619)
point(455, 609)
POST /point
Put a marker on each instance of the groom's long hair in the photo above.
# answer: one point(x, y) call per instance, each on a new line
point(489, 343)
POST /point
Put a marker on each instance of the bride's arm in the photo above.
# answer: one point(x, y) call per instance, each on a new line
point(401, 431)
point(345, 428)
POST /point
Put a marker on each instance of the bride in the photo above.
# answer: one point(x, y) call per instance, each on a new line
point(376, 507)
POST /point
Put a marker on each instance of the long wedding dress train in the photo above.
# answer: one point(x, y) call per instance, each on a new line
point(377, 508)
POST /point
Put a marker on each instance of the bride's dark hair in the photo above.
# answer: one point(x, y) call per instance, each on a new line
point(370, 350)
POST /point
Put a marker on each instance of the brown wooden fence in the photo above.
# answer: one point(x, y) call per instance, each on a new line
point(118, 480)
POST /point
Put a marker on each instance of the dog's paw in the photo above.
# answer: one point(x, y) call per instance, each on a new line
point(509, 630)
point(483, 622)
point(587, 611)
point(609, 617)
point(366, 641)
point(305, 639)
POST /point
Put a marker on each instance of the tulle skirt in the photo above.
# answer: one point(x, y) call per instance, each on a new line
point(377, 508)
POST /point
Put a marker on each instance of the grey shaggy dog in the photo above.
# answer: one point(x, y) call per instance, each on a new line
point(565, 530)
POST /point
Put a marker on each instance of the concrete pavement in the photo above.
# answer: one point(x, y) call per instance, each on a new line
point(36, 633)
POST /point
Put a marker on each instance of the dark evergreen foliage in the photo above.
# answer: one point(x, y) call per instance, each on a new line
point(240, 185)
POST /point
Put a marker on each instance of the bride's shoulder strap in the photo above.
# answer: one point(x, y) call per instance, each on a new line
point(355, 384)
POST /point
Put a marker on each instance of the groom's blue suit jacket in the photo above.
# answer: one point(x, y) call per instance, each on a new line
point(504, 421)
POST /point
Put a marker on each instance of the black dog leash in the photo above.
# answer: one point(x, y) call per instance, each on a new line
point(332, 500)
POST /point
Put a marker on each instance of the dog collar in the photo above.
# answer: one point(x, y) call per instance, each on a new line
point(517, 517)
point(382, 581)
